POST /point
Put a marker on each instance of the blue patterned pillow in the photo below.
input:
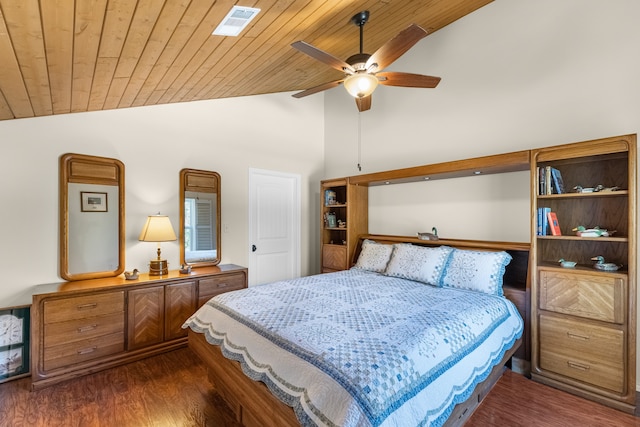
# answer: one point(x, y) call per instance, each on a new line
point(422, 264)
point(373, 256)
point(476, 270)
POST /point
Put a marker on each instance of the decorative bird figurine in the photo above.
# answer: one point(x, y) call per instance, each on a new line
point(131, 275)
point(596, 231)
point(604, 266)
point(567, 264)
point(429, 236)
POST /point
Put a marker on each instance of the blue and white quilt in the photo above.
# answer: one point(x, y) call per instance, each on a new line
point(356, 348)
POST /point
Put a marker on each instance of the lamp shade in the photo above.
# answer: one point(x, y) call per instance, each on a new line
point(361, 84)
point(158, 228)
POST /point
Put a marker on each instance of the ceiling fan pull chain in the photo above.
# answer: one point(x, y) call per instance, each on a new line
point(359, 139)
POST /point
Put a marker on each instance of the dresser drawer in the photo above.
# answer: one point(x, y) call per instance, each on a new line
point(82, 329)
point(598, 297)
point(210, 287)
point(64, 309)
point(589, 353)
point(81, 351)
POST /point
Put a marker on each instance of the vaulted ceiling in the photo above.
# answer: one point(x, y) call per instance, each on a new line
point(64, 56)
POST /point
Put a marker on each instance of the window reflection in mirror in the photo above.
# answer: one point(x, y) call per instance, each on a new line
point(199, 227)
point(199, 217)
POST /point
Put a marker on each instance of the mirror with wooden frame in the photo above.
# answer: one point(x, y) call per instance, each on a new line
point(199, 218)
point(91, 217)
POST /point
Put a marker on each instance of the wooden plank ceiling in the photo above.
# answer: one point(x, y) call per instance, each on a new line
point(64, 56)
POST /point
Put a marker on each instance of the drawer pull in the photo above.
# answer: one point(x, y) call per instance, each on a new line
point(87, 350)
point(578, 336)
point(87, 306)
point(87, 328)
point(578, 366)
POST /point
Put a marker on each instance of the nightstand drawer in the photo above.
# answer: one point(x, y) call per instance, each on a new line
point(334, 257)
point(82, 351)
point(82, 329)
point(598, 297)
point(63, 309)
point(589, 353)
point(208, 288)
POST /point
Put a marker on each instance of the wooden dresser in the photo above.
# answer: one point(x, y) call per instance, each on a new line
point(86, 326)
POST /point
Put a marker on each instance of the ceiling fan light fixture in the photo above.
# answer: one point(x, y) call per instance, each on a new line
point(360, 85)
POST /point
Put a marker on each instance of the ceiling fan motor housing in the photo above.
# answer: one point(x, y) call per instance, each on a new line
point(358, 61)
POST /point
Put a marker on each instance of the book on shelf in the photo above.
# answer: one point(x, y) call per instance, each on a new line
point(543, 221)
point(540, 176)
point(554, 227)
point(558, 184)
point(549, 181)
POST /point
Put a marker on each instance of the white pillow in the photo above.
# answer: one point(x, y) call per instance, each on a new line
point(373, 256)
point(476, 270)
point(422, 264)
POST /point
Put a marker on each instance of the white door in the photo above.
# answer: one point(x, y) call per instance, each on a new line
point(274, 226)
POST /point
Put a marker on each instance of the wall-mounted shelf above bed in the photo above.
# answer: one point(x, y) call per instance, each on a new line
point(517, 161)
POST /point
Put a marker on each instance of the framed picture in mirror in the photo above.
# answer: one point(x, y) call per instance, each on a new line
point(93, 202)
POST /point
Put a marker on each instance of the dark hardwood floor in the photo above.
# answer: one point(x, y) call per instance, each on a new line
point(172, 390)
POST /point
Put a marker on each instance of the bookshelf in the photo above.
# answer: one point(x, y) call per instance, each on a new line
point(583, 319)
point(344, 217)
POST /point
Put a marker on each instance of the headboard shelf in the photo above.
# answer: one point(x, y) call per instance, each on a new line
point(500, 163)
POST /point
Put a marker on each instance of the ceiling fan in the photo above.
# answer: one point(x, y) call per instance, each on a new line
point(363, 72)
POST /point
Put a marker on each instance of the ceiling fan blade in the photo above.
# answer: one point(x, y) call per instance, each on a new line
point(392, 78)
point(363, 103)
point(319, 88)
point(322, 56)
point(396, 47)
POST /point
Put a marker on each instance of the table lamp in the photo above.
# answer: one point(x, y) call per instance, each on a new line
point(158, 228)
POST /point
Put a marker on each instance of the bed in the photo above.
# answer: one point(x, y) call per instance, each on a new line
point(416, 333)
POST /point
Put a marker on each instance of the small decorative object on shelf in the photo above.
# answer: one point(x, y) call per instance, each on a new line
point(604, 266)
point(596, 231)
point(429, 236)
point(581, 189)
point(602, 189)
point(329, 197)
point(185, 269)
point(566, 264)
point(331, 220)
point(131, 275)
point(342, 224)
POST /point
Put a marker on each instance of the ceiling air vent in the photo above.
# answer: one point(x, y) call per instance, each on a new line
point(235, 21)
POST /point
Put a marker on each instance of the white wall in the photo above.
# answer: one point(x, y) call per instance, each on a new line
point(273, 132)
point(516, 74)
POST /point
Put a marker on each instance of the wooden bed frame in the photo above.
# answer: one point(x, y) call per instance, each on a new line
point(255, 406)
